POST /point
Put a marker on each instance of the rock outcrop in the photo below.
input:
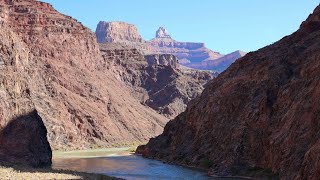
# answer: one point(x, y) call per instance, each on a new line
point(219, 64)
point(261, 113)
point(56, 68)
point(193, 52)
point(24, 142)
point(23, 136)
point(117, 32)
point(189, 54)
point(156, 81)
point(162, 33)
point(192, 55)
point(163, 59)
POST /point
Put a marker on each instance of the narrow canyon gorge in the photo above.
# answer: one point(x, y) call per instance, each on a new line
point(261, 113)
point(64, 87)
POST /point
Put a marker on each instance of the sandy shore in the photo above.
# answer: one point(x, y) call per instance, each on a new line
point(94, 153)
point(27, 173)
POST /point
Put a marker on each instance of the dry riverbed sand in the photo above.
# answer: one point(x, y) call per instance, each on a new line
point(27, 173)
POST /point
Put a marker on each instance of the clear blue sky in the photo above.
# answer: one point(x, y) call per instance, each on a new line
point(224, 25)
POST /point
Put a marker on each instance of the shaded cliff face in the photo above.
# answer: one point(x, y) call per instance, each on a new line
point(162, 59)
point(117, 32)
point(23, 136)
point(156, 81)
point(262, 112)
point(80, 101)
point(24, 142)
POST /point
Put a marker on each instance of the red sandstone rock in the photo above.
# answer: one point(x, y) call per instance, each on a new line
point(117, 32)
point(157, 81)
point(187, 52)
point(59, 71)
point(262, 112)
point(24, 141)
point(23, 137)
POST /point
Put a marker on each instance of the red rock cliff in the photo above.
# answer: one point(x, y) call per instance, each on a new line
point(23, 136)
point(66, 80)
point(262, 112)
point(157, 80)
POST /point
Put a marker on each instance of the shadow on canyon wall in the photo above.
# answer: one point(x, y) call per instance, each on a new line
point(24, 141)
point(24, 147)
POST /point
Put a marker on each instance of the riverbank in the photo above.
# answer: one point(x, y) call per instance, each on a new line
point(122, 163)
point(28, 173)
point(94, 153)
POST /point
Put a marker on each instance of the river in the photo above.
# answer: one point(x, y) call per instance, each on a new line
point(118, 162)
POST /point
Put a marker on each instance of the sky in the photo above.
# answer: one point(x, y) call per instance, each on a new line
point(223, 25)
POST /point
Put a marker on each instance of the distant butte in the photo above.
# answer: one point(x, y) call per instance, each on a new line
point(190, 54)
point(162, 33)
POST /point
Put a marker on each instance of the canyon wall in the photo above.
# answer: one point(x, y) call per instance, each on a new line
point(162, 59)
point(156, 81)
point(189, 51)
point(261, 114)
point(64, 77)
point(23, 136)
point(219, 64)
point(117, 32)
point(190, 54)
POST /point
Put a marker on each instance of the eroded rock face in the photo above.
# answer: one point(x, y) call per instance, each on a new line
point(23, 137)
point(162, 33)
point(117, 32)
point(24, 141)
point(156, 81)
point(192, 52)
point(161, 44)
point(219, 64)
point(162, 59)
point(63, 75)
point(189, 54)
point(262, 112)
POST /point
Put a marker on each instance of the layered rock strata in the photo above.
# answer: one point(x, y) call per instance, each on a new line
point(117, 32)
point(58, 70)
point(261, 113)
point(156, 81)
point(161, 44)
point(219, 64)
point(23, 136)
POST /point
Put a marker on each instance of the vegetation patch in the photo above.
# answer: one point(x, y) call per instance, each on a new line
point(206, 163)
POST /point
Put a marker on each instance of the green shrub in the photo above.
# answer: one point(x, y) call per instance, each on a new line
point(206, 163)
